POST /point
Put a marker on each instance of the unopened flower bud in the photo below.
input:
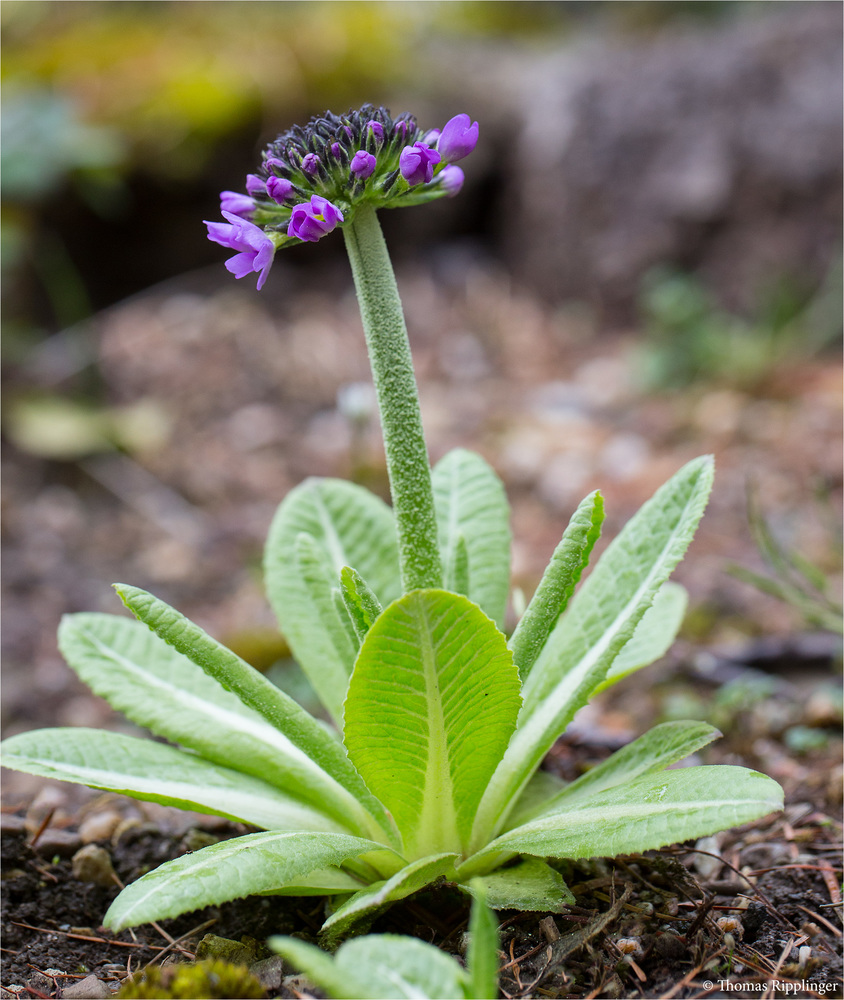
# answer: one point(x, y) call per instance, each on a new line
point(255, 185)
point(417, 163)
point(310, 164)
point(363, 164)
point(451, 179)
point(377, 130)
point(279, 188)
point(459, 137)
point(236, 203)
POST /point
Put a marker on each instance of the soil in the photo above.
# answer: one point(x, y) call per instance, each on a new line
point(240, 402)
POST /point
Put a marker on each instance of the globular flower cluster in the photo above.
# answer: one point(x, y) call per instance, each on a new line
point(314, 176)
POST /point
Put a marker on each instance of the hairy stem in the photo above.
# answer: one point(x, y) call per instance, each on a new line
point(398, 401)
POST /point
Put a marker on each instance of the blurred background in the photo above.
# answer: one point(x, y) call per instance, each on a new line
point(644, 264)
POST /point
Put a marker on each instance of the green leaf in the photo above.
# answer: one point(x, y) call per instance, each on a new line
point(324, 971)
point(232, 869)
point(155, 772)
point(362, 605)
point(529, 884)
point(156, 686)
point(657, 749)
point(350, 527)
point(482, 953)
point(600, 619)
point(654, 634)
point(407, 880)
point(304, 733)
point(470, 502)
point(432, 705)
point(378, 967)
point(557, 585)
point(535, 796)
point(642, 815)
point(320, 582)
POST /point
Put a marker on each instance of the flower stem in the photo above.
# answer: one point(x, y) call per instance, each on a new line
point(398, 401)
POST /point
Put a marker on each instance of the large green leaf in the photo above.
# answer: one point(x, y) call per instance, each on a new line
point(642, 815)
point(473, 517)
point(529, 884)
point(350, 527)
point(600, 619)
point(654, 634)
point(407, 880)
point(432, 704)
point(657, 749)
point(157, 773)
point(378, 967)
point(232, 869)
point(558, 581)
point(156, 686)
point(305, 735)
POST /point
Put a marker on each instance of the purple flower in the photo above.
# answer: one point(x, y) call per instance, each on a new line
point(377, 130)
point(236, 203)
point(314, 219)
point(310, 164)
point(363, 164)
point(451, 179)
point(430, 138)
point(255, 185)
point(459, 137)
point(272, 162)
point(335, 150)
point(417, 163)
point(279, 188)
point(255, 250)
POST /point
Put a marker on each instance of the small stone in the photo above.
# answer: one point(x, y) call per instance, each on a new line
point(93, 864)
point(89, 988)
point(195, 840)
point(269, 971)
point(61, 842)
point(50, 801)
point(12, 824)
point(297, 985)
point(99, 826)
point(129, 830)
point(39, 982)
point(236, 952)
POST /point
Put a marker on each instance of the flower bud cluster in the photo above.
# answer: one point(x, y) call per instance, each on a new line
point(312, 178)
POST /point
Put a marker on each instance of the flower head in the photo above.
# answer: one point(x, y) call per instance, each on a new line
point(313, 176)
point(459, 137)
point(255, 250)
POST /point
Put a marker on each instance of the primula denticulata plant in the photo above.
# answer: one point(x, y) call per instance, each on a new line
point(396, 617)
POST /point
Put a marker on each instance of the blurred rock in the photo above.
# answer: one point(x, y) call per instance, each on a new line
point(93, 864)
point(717, 150)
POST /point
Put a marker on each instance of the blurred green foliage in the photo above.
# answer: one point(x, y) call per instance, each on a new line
point(794, 579)
point(689, 337)
point(171, 78)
